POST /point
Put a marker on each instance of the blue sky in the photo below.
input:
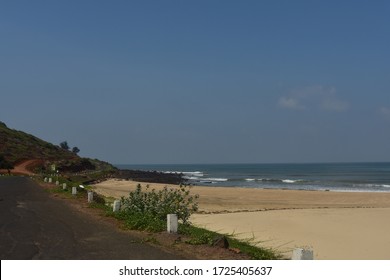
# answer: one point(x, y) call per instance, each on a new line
point(200, 81)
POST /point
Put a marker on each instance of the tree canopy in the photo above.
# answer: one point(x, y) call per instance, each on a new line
point(75, 150)
point(64, 145)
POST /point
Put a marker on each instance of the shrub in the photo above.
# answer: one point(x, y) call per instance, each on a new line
point(156, 205)
point(5, 164)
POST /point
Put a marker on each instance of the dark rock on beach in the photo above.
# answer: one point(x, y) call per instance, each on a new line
point(151, 176)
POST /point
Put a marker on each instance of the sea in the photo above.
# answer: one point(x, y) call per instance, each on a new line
point(350, 177)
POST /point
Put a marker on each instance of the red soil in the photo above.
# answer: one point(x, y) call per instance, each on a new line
point(24, 167)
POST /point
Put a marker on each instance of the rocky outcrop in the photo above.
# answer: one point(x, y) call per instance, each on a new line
point(151, 176)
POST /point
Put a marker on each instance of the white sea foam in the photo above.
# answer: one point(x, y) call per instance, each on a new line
point(219, 179)
point(382, 186)
point(372, 185)
point(191, 177)
point(250, 180)
point(288, 181)
point(215, 179)
point(195, 173)
point(187, 173)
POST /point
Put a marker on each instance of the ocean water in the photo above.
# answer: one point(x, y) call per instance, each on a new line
point(355, 177)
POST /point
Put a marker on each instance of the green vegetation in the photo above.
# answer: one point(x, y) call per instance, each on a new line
point(159, 204)
point(148, 209)
point(17, 146)
point(139, 221)
point(64, 145)
point(4, 164)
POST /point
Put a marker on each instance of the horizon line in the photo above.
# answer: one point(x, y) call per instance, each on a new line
point(243, 163)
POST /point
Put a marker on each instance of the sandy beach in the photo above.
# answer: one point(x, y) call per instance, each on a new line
point(336, 225)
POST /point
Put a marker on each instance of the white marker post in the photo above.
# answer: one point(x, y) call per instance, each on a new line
point(64, 186)
point(116, 206)
point(50, 180)
point(74, 190)
point(172, 224)
point(45, 180)
point(90, 197)
point(302, 254)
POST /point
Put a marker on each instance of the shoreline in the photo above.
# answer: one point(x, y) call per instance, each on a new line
point(336, 225)
point(230, 199)
point(342, 176)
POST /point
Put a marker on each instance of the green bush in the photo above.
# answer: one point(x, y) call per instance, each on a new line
point(156, 205)
point(5, 164)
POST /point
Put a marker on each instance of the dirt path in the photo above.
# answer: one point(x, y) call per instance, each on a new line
point(22, 168)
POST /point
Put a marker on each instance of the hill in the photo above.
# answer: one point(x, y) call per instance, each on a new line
point(23, 153)
point(17, 147)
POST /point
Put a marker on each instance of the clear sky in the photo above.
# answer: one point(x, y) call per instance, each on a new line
point(200, 81)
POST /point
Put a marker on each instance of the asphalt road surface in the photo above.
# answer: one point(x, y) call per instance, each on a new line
point(34, 225)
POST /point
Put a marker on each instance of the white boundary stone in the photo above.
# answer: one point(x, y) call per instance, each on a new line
point(90, 197)
point(117, 206)
point(302, 254)
point(172, 223)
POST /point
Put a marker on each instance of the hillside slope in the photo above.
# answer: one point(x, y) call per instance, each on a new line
point(17, 147)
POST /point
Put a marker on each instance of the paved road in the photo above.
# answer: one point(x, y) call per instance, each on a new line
point(34, 225)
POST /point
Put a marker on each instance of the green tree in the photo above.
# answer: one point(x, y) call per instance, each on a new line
point(75, 150)
point(64, 145)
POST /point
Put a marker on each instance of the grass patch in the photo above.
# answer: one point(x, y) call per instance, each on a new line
point(107, 209)
point(141, 221)
point(67, 192)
